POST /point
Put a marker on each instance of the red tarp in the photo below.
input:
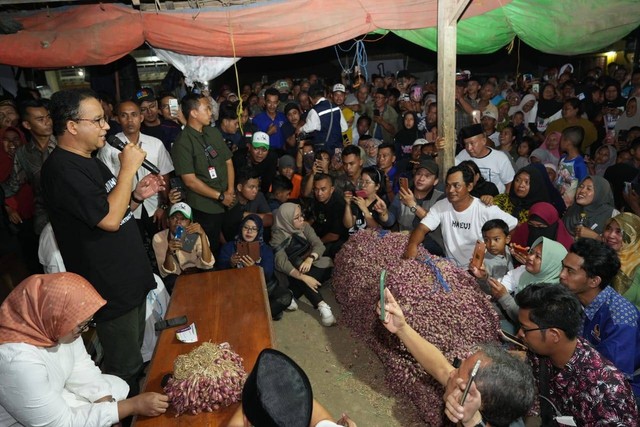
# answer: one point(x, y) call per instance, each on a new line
point(99, 34)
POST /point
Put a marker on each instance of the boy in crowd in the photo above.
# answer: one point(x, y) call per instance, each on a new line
point(497, 259)
point(572, 168)
point(280, 191)
point(287, 167)
point(249, 199)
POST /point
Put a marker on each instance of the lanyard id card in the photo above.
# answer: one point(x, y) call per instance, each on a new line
point(212, 172)
point(210, 152)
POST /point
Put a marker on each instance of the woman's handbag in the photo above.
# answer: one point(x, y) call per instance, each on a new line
point(297, 250)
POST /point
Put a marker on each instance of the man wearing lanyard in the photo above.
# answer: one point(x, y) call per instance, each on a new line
point(203, 161)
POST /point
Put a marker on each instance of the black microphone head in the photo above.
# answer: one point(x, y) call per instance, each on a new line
point(116, 142)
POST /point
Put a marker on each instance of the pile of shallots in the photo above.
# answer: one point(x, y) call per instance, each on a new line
point(208, 378)
point(440, 301)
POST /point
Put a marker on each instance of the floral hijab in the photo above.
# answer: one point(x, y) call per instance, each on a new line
point(629, 253)
point(45, 307)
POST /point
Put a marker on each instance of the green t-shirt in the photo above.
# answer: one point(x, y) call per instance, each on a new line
point(189, 156)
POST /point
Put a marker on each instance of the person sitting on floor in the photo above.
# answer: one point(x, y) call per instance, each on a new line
point(46, 375)
point(174, 260)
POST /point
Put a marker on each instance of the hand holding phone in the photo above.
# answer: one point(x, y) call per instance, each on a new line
point(404, 183)
point(478, 254)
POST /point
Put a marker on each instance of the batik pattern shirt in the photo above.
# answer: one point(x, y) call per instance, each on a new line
point(589, 388)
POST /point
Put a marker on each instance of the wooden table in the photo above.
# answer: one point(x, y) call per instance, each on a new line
point(226, 306)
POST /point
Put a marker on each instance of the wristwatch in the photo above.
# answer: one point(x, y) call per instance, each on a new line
point(413, 209)
point(221, 197)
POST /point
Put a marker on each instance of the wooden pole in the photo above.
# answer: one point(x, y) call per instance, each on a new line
point(449, 11)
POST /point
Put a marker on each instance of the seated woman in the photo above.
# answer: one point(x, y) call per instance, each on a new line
point(367, 207)
point(544, 221)
point(46, 375)
point(298, 253)
point(592, 208)
point(174, 260)
point(251, 230)
point(543, 265)
point(622, 234)
point(527, 189)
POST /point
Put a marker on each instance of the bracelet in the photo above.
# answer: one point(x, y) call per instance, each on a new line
point(135, 199)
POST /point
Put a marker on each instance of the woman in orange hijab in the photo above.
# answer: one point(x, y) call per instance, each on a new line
point(46, 375)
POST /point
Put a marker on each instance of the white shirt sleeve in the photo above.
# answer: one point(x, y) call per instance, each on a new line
point(432, 218)
point(28, 395)
point(494, 212)
point(165, 164)
point(109, 157)
point(343, 123)
point(511, 279)
point(49, 253)
point(312, 123)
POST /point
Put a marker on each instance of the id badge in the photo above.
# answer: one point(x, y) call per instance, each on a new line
point(212, 172)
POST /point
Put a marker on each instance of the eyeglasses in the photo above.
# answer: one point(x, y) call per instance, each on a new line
point(100, 122)
point(251, 229)
point(151, 106)
point(525, 330)
point(83, 327)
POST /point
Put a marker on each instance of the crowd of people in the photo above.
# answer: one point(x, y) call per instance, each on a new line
point(280, 176)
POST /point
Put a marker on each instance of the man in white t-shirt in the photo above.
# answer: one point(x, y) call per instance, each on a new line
point(151, 212)
point(494, 165)
point(460, 218)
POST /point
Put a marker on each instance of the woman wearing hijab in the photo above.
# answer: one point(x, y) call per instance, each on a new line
point(407, 135)
point(46, 375)
point(251, 230)
point(529, 108)
point(527, 188)
point(298, 254)
point(552, 144)
point(592, 208)
point(622, 234)
point(549, 109)
point(605, 156)
point(544, 221)
point(555, 198)
point(630, 117)
point(543, 265)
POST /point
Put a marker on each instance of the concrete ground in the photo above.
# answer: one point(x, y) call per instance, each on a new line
point(346, 376)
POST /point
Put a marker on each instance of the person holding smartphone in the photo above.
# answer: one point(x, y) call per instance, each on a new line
point(183, 248)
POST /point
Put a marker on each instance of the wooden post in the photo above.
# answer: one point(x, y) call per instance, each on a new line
point(449, 11)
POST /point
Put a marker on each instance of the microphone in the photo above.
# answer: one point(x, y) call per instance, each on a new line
point(119, 144)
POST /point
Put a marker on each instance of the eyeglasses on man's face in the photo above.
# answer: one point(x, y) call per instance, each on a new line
point(99, 122)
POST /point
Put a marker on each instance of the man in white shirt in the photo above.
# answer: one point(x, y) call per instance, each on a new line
point(460, 217)
point(151, 213)
point(494, 165)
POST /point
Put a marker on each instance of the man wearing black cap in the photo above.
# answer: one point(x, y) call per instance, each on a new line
point(494, 165)
point(411, 206)
point(165, 130)
point(278, 393)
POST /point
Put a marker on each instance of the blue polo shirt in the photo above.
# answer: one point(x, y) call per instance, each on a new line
point(611, 325)
point(263, 121)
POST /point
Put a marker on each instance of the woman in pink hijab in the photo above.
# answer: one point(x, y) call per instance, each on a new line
point(46, 375)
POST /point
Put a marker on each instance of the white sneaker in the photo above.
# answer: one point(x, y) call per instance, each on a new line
point(326, 316)
point(293, 306)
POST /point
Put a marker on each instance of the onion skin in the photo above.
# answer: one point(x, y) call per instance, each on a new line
point(453, 321)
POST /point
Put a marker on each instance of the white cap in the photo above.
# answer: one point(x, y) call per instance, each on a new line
point(181, 207)
point(339, 87)
point(260, 139)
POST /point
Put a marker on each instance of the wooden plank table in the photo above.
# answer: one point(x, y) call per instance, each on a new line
point(226, 306)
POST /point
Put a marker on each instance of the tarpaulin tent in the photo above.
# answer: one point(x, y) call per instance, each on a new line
point(101, 33)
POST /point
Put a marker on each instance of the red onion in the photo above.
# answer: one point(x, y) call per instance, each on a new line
point(453, 321)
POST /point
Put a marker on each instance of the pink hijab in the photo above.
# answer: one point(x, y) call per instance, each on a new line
point(556, 152)
point(45, 307)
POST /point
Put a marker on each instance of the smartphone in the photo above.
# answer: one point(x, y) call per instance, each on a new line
point(179, 233)
point(627, 187)
point(478, 254)
point(535, 88)
point(361, 193)
point(376, 112)
point(416, 94)
point(506, 336)
point(252, 249)
point(176, 182)
point(161, 325)
point(472, 377)
point(189, 242)
point(173, 107)
point(404, 183)
point(383, 283)
point(521, 249)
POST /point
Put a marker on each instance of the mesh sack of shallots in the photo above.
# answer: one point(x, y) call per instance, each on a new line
point(440, 301)
point(206, 379)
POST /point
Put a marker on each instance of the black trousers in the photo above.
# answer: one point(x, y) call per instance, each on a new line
point(299, 288)
point(212, 225)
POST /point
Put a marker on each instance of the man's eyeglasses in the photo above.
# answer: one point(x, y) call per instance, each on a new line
point(100, 122)
point(525, 330)
point(83, 327)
